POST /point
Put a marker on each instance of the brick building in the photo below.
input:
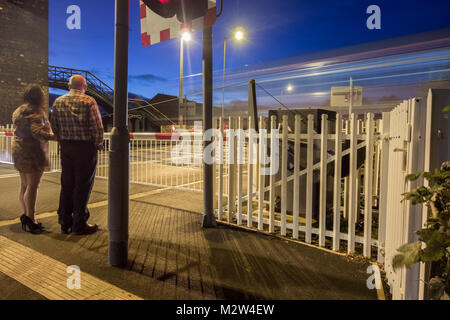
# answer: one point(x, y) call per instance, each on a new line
point(23, 51)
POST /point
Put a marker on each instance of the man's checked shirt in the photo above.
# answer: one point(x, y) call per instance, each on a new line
point(75, 116)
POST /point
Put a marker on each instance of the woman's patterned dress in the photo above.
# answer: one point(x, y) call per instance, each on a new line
point(30, 144)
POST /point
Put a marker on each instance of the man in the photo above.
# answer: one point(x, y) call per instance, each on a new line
point(77, 125)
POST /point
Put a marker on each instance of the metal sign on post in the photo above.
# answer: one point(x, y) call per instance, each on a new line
point(155, 29)
point(160, 21)
point(341, 97)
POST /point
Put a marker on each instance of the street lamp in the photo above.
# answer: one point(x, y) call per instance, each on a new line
point(185, 37)
point(289, 88)
point(238, 36)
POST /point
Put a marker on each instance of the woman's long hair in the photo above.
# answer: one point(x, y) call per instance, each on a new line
point(34, 96)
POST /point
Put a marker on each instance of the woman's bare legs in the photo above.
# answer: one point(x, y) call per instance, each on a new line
point(22, 189)
point(33, 180)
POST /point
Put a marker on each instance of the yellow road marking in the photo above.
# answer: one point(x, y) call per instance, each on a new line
point(380, 292)
point(48, 276)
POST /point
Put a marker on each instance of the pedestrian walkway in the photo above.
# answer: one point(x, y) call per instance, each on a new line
point(49, 277)
point(172, 257)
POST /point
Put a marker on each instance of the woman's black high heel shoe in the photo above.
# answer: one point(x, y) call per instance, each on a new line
point(28, 225)
point(23, 216)
point(22, 221)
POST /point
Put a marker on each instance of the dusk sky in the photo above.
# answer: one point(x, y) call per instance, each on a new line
point(274, 30)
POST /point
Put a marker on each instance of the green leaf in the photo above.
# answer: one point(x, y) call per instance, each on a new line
point(409, 255)
point(430, 254)
point(436, 242)
point(437, 287)
point(425, 234)
point(413, 176)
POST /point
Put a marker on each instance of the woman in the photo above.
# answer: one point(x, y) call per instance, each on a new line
point(29, 152)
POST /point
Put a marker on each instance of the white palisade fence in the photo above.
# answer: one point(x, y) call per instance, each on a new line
point(299, 198)
point(405, 154)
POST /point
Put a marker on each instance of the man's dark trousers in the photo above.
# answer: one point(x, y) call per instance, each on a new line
point(79, 162)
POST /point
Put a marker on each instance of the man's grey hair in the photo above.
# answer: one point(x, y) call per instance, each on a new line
point(77, 81)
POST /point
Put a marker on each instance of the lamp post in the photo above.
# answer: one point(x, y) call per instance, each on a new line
point(350, 105)
point(289, 88)
point(119, 175)
point(238, 35)
point(185, 37)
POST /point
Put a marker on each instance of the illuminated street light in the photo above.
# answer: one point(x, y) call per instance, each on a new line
point(239, 36)
point(289, 88)
point(186, 36)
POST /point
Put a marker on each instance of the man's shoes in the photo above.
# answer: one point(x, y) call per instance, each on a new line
point(66, 230)
point(88, 229)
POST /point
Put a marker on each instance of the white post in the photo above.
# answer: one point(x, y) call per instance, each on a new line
point(352, 186)
point(296, 204)
point(240, 151)
point(350, 108)
point(214, 179)
point(251, 158)
point(368, 176)
point(337, 185)
point(284, 159)
point(309, 178)
point(261, 182)
point(231, 166)
point(273, 126)
point(323, 180)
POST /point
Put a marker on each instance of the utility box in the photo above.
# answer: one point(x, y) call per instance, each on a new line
point(340, 97)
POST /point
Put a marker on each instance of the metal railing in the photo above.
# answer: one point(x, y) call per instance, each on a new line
point(58, 77)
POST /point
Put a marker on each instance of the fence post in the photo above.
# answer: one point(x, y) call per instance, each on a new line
point(240, 151)
point(323, 180)
point(220, 187)
point(382, 205)
point(261, 181)
point(296, 204)
point(273, 126)
point(309, 178)
point(368, 184)
point(231, 167)
point(346, 179)
point(352, 186)
point(284, 159)
point(214, 165)
point(337, 184)
point(251, 157)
